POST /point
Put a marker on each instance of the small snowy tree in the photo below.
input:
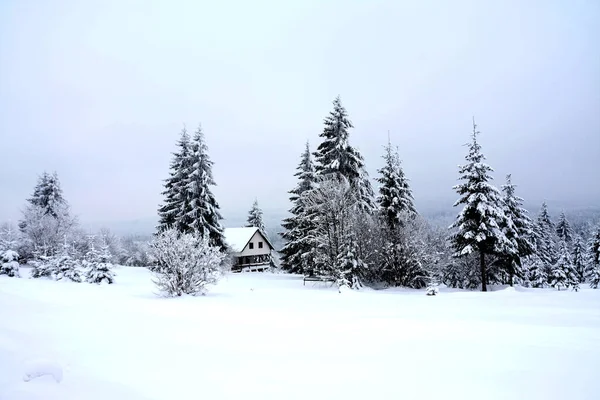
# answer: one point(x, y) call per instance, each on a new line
point(99, 267)
point(187, 263)
point(65, 266)
point(477, 227)
point(563, 272)
point(593, 259)
point(41, 266)
point(545, 237)
point(255, 218)
point(536, 273)
point(9, 263)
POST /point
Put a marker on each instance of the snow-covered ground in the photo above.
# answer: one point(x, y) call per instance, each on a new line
point(265, 336)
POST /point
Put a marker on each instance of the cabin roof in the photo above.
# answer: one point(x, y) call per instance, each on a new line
point(238, 238)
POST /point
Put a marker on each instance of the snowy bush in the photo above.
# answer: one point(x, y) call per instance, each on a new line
point(186, 263)
point(41, 266)
point(10, 263)
point(99, 267)
point(64, 266)
point(432, 290)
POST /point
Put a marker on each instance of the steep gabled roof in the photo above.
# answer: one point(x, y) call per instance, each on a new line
point(238, 238)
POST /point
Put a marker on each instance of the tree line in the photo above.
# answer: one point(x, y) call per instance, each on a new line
point(338, 227)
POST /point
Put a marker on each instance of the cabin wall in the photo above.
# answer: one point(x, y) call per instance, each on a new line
point(257, 237)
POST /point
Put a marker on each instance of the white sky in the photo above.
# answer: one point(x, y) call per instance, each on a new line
point(99, 90)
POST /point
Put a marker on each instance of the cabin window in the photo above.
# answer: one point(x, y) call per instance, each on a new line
point(251, 245)
point(260, 245)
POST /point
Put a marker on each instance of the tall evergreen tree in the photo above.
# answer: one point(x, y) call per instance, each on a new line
point(563, 273)
point(200, 211)
point(174, 193)
point(255, 217)
point(544, 234)
point(563, 229)
point(298, 227)
point(578, 258)
point(593, 260)
point(48, 195)
point(518, 228)
point(477, 227)
point(395, 196)
point(335, 155)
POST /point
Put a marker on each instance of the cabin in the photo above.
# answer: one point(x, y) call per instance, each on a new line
point(251, 249)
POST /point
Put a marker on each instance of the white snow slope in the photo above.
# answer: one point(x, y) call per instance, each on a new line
point(265, 336)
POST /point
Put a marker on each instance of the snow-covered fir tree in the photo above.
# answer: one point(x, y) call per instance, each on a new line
point(477, 227)
point(395, 196)
point(298, 227)
point(9, 237)
point(578, 258)
point(336, 156)
point(200, 212)
point(563, 229)
point(9, 263)
point(545, 237)
point(65, 266)
point(536, 272)
point(42, 265)
point(255, 217)
point(518, 228)
point(349, 268)
point(187, 263)
point(169, 211)
point(563, 274)
point(48, 195)
point(593, 259)
point(99, 267)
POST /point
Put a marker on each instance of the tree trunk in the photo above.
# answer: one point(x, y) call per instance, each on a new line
point(511, 277)
point(483, 274)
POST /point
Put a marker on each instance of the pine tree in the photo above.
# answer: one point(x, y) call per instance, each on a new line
point(536, 272)
point(297, 235)
point(478, 224)
point(335, 155)
point(349, 268)
point(593, 260)
point(48, 195)
point(200, 211)
point(9, 263)
point(99, 266)
point(255, 217)
point(544, 234)
point(518, 228)
point(170, 210)
point(65, 266)
point(395, 196)
point(563, 229)
point(563, 273)
point(578, 257)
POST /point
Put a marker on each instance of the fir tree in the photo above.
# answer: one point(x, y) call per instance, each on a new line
point(536, 272)
point(170, 210)
point(563, 273)
point(297, 235)
point(349, 267)
point(593, 260)
point(478, 225)
point(544, 234)
point(65, 266)
point(518, 228)
point(9, 264)
point(255, 217)
point(99, 266)
point(335, 155)
point(578, 258)
point(395, 196)
point(563, 229)
point(48, 195)
point(200, 213)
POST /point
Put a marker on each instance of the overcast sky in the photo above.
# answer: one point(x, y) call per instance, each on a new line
point(99, 91)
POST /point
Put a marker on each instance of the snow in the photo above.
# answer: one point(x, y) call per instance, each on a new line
point(238, 238)
point(266, 336)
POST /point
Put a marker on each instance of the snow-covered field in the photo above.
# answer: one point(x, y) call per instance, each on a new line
point(265, 336)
